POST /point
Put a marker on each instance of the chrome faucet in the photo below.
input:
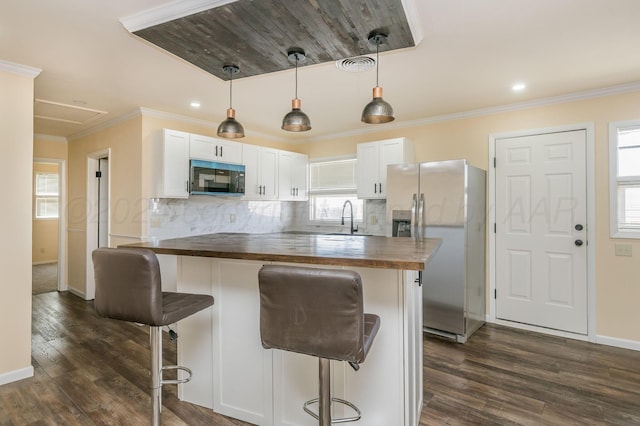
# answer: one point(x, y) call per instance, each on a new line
point(344, 206)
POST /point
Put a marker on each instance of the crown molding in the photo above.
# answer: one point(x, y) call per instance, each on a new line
point(50, 138)
point(571, 97)
point(107, 124)
point(413, 19)
point(177, 117)
point(19, 69)
point(168, 12)
point(142, 111)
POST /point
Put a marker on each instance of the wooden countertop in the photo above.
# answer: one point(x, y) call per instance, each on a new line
point(337, 250)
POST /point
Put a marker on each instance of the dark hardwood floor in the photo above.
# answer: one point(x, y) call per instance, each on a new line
point(93, 371)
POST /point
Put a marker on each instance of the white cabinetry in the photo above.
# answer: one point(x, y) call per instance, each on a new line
point(261, 172)
point(292, 176)
point(213, 149)
point(373, 159)
point(170, 165)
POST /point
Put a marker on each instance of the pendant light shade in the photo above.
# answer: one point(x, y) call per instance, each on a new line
point(230, 128)
point(378, 110)
point(296, 120)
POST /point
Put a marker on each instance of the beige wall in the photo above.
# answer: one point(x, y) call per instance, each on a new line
point(45, 231)
point(125, 203)
point(16, 145)
point(617, 278)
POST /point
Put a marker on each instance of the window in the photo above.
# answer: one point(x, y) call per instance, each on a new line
point(46, 195)
point(331, 184)
point(624, 178)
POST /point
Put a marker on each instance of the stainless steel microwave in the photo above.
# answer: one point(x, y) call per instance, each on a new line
point(213, 178)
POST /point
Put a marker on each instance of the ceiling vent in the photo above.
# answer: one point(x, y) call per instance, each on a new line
point(356, 64)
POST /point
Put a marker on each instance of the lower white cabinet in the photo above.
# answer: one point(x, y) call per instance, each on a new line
point(236, 377)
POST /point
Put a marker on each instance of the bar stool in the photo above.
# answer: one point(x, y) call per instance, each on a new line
point(129, 288)
point(318, 312)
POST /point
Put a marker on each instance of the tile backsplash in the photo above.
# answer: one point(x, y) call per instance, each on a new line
point(171, 218)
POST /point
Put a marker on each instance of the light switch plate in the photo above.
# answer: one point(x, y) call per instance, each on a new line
point(624, 250)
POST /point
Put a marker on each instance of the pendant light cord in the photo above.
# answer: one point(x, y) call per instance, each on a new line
point(230, 89)
point(296, 55)
point(377, 60)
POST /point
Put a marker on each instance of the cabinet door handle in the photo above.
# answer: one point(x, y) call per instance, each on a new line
point(216, 150)
point(220, 151)
point(375, 188)
point(380, 187)
point(259, 189)
point(186, 185)
point(296, 192)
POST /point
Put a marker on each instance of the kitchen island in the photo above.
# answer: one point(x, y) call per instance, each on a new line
point(235, 376)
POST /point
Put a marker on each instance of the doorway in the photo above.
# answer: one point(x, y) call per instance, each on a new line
point(98, 192)
point(541, 251)
point(48, 228)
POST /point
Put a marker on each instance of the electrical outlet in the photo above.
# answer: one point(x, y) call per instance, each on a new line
point(373, 219)
point(232, 218)
point(624, 250)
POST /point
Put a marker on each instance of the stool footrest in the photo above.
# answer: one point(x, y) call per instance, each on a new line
point(338, 400)
point(176, 381)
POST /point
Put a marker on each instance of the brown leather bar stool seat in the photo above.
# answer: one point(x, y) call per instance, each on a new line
point(318, 312)
point(129, 288)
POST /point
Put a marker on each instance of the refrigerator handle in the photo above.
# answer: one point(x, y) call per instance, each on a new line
point(420, 214)
point(414, 217)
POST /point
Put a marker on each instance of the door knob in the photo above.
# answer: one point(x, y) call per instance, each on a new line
point(578, 243)
point(579, 227)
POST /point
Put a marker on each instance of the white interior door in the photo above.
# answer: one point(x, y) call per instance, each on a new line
point(541, 229)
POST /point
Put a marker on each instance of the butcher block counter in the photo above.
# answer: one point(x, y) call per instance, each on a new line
point(233, 375)
point(315, 249)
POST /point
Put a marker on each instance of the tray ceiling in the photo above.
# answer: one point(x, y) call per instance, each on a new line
point(255, 35)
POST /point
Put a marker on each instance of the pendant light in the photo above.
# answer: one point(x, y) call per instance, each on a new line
point(378, 110)
point(296, 120)
point(230, 128)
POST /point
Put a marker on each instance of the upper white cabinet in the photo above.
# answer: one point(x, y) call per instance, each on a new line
point(373, 159)
point(213, 149)
point(261, 172)
point(292, 176)
point(170, 165)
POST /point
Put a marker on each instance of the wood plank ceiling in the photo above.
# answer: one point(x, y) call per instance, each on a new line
point(255, 35)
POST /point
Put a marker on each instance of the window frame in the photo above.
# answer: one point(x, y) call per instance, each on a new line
point(615, 182)
point(344, 192)
point(46, 197)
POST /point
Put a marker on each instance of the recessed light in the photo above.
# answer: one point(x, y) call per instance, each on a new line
point(518, 87)
point(195, 104)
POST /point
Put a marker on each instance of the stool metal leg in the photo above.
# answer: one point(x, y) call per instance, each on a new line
point(156, 374)
point(324, 384)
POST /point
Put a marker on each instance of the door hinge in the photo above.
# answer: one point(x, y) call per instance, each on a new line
point(98, 174)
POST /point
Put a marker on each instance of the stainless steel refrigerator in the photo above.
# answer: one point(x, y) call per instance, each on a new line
point(447, 200)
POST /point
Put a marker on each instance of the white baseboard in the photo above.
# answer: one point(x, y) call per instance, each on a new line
point(14, 376)
point(80, 294)
point(634, 345)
